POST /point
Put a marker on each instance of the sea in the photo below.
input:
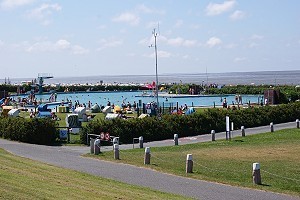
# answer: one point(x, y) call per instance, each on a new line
point(228, 78)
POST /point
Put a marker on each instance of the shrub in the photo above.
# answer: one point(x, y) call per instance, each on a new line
point(152, 128)
point(36, 131)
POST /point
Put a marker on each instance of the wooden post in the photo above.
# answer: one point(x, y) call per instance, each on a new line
point(97, 146)
point(189, 163)
point(213, 135)
point(256, 174)
point(176, 139)
point(116, 152)
point(147, 156)
point(92, 145)
point(272, 127)
point(243, 131)
point(141, 141)
point(297, 123)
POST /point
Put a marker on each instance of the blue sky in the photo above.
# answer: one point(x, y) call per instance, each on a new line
point(97, 37)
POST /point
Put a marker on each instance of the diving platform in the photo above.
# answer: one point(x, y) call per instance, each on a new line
point(41, 78)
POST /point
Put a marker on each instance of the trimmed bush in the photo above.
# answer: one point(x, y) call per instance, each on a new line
point(152, 128)
point(35, 131)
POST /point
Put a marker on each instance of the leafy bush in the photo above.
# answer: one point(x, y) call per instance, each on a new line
point(36, 131)
point(152, 128)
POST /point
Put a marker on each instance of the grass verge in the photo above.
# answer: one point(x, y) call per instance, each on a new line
point(22, 178)
point(230, 162)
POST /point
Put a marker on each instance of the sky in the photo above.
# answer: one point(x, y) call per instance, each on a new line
point(96, 37)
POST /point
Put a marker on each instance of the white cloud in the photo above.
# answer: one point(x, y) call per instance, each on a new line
point(239, 59)
point(213, 41)
point(257, 37)
point(231, 46)
point(179, 41)
point(186, 57)
point(1, 43)
point(178, 23)
point(237, 15)
point(253, 44)
point(10, 4)
point(152, 25)
point(164, 54)
point(160, 54)
point(108, 43)
point(127, 17)
point(175, 41)
point(217, 9)
point(58, 46)
point(43, 12)
point(144, 9)
point(79, 50)
point(62, 44)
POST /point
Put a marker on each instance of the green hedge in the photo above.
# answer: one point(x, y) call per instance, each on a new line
point(198, 123)
point(35, 131)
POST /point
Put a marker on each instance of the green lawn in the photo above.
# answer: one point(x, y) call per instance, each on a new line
point(230, 162)
point(22, 178)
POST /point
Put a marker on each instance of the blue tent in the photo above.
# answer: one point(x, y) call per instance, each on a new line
point(190, 111)
point(44, 114)
point(43, 107)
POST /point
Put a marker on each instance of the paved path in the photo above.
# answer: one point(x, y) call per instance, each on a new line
point(70, 157)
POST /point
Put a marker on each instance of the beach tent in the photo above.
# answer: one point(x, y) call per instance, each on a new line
point(112, 116)
point(144, 115)
point(95, 108)
point(190, 111)
point(106, 110)
point(72, 120)
point(44, 114)
point(14, 113)
point(81, 111)
point(43, 107)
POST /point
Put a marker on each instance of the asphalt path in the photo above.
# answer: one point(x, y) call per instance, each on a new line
point(70, 158)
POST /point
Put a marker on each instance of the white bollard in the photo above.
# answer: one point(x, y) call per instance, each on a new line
point(243, 131)
point(213, 135)
point(116, 152)
point(256, 174)
point(97, 146)
point(141, 141)
point(115, 141)
point(92, 145)
point(189, 163)
point(147, 156)
point(272, 127)
point(297, 123)
point(232, 126)
point(176, 139)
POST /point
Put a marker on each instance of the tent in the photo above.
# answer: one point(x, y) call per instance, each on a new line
point(95, 108)
point(14, 113)
point(190, 111)
point(112, 116)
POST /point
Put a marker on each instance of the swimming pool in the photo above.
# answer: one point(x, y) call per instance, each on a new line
point(116, 98)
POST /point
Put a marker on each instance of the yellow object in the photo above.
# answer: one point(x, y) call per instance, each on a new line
point(117, 109)
point(6, 109)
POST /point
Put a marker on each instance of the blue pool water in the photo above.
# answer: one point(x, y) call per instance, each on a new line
point(116, 98)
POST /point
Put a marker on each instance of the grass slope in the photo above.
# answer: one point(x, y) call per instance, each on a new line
point(22, 178)
point(230, 162)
